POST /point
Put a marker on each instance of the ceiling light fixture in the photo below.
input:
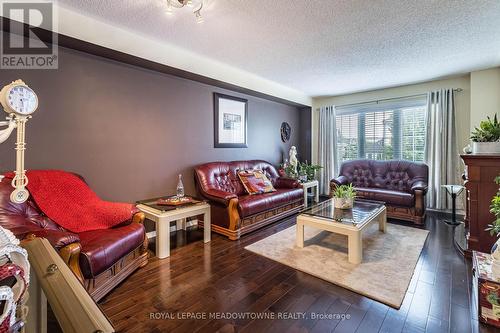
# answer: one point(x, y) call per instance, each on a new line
point(195, 5)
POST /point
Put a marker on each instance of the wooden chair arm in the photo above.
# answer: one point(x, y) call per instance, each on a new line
point(419, 202)
point(71, 256)
point(234, 215)
point(138, 218)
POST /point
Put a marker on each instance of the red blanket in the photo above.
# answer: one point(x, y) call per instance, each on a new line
point(69, 202)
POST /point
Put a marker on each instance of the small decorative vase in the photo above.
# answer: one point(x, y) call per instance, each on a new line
point(343, 203)
point(180, 188)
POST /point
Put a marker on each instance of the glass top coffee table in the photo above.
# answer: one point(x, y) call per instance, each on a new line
point(349, 222)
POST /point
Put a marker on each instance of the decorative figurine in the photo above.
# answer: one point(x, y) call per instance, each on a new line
point(13, 264)
point(293, 158)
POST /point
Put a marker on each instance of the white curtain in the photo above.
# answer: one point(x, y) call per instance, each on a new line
point(327, 157)
point(441, 152)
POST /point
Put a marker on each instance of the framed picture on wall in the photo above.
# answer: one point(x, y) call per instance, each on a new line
point(230, 125)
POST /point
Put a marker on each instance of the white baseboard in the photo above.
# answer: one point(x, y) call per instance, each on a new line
point(173, 228)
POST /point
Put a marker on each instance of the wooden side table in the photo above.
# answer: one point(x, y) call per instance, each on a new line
point(162, 219)
point(314, 185)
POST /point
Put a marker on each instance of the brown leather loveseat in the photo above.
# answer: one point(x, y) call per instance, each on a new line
point(233, 211)
point(100, 259)
point(402, 185)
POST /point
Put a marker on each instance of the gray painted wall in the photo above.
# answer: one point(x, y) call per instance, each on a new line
point(130, 131)
point(304, 148)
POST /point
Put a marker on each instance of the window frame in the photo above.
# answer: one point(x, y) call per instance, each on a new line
point(394, 105)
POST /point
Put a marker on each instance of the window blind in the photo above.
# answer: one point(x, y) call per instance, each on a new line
point(392, 129)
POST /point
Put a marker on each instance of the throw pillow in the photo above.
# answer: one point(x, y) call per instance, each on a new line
point(255, 182)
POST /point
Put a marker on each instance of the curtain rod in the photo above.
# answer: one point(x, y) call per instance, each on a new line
point(388, 99)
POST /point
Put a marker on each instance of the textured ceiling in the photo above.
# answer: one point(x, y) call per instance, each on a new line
point(324, 47)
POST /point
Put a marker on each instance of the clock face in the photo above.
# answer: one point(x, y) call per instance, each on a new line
point(22, 100)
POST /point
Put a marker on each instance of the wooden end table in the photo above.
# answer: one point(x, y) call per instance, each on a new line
point(163, 215)
point(350, 222)
point(314, 185)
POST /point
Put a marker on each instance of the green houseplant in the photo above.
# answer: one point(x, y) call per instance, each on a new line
point(343, 196)
point(308, 171)
point(486, 138)
point(494, 227)
point(305, 172)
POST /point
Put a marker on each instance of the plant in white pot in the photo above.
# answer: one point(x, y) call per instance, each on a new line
point(486, 138)
point(343, 196)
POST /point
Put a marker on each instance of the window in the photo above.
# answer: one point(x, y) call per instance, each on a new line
point(394, 129)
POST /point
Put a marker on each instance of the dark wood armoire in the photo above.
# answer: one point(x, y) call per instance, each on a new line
point(479, 177)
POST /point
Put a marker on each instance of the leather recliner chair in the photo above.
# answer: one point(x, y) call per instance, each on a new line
point(402, 185)
point(100, 259)
point(233, 211)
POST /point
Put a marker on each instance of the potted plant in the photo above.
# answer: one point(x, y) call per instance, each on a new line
point(494, 229)
point(343, 196)
point(486, 138)
point(305, 172)
point(308, 171)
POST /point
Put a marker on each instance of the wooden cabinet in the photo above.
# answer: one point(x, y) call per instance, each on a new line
point(480, 173)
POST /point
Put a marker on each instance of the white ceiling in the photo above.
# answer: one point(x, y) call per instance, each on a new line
point(323, 47)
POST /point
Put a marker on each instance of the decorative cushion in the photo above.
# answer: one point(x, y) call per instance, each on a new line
point(255, 182)
point(397, 198)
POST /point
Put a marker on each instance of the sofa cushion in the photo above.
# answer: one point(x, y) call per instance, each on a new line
point(255, 182)
point(103, 248)
point(389, 197)
point(253, 204)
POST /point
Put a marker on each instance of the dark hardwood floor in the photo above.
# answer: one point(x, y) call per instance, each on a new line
point(221, 276)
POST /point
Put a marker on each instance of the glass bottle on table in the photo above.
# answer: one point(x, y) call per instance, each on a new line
point(180, 188)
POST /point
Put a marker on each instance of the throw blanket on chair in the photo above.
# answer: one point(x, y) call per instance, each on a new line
point(68, 201)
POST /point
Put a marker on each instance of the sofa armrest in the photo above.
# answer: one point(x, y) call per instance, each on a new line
point(56, 238)
point(138, 217)
point(219, 196)
point(419, 185)
point(340, 180)
point(71, 256)
point(284, 182)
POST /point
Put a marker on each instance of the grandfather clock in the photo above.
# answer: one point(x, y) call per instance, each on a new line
point(479, 177)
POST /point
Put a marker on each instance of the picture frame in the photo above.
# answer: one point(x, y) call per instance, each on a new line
point(230, 121)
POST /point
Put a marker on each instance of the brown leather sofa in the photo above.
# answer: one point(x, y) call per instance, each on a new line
point(100, 259)
point(402, 185)
point(234, 212)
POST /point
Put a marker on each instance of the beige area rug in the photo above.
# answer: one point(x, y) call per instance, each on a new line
point(388, 259)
